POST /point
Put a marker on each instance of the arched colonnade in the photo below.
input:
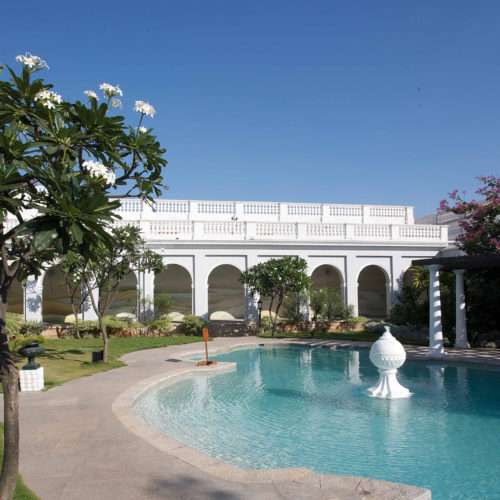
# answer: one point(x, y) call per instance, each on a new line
point(215, 294)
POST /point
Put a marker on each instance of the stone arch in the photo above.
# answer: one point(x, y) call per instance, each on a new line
point(56, 304)
point(226, 295)
point(372, 292)
point(327, 276)
point(175, 281)
point(16, 298)
point(126, 299)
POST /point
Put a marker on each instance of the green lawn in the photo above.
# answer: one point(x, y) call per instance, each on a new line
point(69, 359)
point(22, 491)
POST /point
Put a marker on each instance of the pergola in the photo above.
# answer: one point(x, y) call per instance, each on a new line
point(458, 263)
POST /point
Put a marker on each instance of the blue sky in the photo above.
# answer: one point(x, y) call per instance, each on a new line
point(383, 102)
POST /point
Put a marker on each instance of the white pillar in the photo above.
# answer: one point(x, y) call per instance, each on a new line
point(148, 294)
point(252, 311)
point(33, 299)
point(200, 304)
point(460, 322)
point(388, 298)
point(352, 283)
point(436, 350)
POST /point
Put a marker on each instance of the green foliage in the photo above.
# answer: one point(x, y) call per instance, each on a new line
point(328, 305)
point(266, 323)
point(13, 324)
point(160, 326)
point(412, 307)
point(355, 322)
point(162, 305)
point(275, 279)
point(31, 328)
point(193, 325)
point(114, 325)
point(293, 308)
point(22, 340)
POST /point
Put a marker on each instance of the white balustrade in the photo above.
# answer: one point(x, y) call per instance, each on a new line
point(276, 231)
point(171, 230)
point(420, 232)
point(325, 231)
point(372, 232)
point(220, 220)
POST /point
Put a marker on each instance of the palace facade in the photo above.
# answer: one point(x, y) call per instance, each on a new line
point(361, 250)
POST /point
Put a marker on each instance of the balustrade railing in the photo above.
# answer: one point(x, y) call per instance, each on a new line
point(265, 211)
point(267, 221)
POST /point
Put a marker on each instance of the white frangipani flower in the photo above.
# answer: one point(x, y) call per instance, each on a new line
point(145, 108)
point(98, 170)
point(32, 62)
point(142, 130)
point(48, 98)
point(91, 94)
point(110, 90)
point(116, 103)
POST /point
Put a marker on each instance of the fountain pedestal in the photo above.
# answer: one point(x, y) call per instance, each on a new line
point(388, 354)
point(31, 380)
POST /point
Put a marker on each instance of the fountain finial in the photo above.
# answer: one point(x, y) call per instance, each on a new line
point(388, 354)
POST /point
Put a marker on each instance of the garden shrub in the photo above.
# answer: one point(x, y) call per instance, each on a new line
point(328, 304)
point(13, 324)
point(355, 322)
point(193, 325)
point(31, 328)
point(161, 326)
point(22, 340)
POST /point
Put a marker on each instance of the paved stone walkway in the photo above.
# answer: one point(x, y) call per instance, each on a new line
point(73, 445)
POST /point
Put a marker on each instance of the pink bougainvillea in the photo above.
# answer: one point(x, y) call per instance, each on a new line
point(481, 222)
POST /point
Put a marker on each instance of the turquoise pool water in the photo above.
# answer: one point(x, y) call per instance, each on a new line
point(302, 407)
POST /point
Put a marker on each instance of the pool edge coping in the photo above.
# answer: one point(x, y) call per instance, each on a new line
point(122, 408)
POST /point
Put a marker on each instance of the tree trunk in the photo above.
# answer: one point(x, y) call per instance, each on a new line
point(10, 377)
point(105, 339)
point(77, 324)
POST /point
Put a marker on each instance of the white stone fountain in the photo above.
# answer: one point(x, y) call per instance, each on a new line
point(388, 354)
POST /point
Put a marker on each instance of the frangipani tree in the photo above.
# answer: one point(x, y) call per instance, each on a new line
point(108, 267)
point(59, 162)
point(276, 279)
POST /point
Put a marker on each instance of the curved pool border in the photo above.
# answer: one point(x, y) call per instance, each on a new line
point(122, 407)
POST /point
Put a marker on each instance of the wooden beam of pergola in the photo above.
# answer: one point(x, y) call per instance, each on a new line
point(467, 262)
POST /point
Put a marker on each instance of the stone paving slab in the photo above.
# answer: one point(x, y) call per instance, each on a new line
point(74, 446)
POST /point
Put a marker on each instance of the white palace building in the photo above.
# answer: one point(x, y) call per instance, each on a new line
point(361, 250)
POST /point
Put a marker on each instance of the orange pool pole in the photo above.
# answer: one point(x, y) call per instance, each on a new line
point(205, 338)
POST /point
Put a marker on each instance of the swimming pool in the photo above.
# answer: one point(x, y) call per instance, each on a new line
point(305, 407)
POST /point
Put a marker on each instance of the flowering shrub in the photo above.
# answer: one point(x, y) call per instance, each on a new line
point(482, 218)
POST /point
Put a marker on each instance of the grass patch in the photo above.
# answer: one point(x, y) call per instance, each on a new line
point(22, 491)
point(70, 359)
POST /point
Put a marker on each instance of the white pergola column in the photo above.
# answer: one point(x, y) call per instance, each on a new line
point(33, 299)
point(436, 350)
point(460, 321)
